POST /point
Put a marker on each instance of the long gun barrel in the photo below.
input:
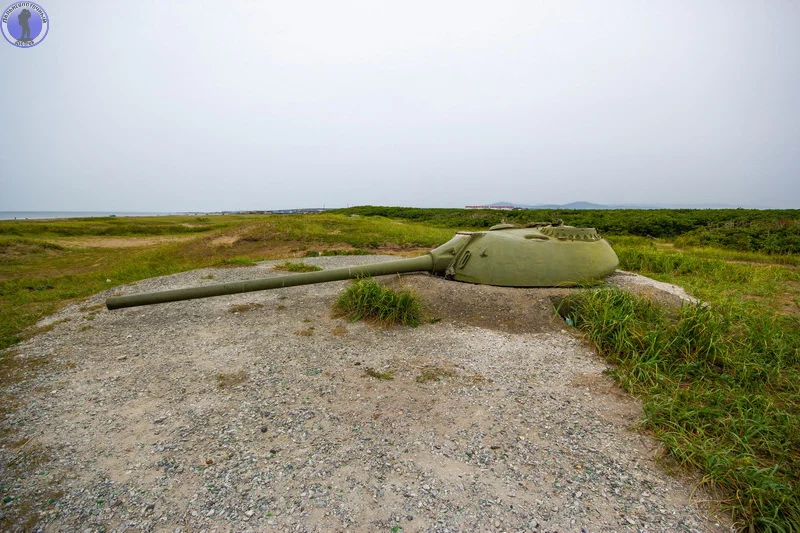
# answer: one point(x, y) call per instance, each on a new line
point(423, 263)
point(505, 255)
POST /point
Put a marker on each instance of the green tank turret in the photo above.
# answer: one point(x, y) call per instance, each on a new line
point(505, 255)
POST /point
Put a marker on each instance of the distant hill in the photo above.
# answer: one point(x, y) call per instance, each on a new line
point(590, 205)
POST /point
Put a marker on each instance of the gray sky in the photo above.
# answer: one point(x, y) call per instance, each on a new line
point(198, 105)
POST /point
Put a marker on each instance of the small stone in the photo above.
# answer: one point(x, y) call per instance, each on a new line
point(122, 357)
point(409, 518)
point(209, 461)
point(250, 513)
point(578, 494)
point(263, 429)
point(273, 451)
point(533, 524)
point(426, 487)
point(210, 513)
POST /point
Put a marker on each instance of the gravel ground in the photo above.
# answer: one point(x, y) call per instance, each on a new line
point(256, 412)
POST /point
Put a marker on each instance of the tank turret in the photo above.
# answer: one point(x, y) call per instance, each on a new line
point(505, 255)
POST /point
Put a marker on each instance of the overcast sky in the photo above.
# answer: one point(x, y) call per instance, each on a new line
point(206, 106)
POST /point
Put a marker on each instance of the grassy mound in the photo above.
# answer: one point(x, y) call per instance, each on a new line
point(366, 299)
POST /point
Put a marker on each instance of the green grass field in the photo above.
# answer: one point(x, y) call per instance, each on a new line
point(720, 384)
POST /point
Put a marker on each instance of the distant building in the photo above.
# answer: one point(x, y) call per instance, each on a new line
point(499, 207)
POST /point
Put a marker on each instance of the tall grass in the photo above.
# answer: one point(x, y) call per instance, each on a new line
point(720, 387)
point(706, 275)
point(366, 299)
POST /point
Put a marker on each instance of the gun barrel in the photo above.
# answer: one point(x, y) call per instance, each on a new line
point(423, 263)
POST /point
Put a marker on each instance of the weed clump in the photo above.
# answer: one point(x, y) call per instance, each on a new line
point(434, 373)
point(289, 266)
point(372, 373)
point(237, 261)
point(225, 381)
point(243, 308)
point(366, 299)
point(720, 387)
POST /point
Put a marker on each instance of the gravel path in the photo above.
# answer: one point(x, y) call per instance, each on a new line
point(255, 413)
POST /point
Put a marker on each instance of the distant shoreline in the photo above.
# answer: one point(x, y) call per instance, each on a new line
point(45, 215)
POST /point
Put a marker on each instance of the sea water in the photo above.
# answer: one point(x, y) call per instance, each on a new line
point(38, 215)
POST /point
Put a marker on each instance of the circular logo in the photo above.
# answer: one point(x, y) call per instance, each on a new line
point(24, 24)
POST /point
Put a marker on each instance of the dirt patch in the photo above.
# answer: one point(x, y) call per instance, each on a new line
point(120, 242)
point(225, 240)
point(184, 416)
point(498, 308)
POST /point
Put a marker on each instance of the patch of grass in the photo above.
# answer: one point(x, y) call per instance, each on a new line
point(710, 277)
point(305, 332)
point(243, 308)
point(32, 332)
point(289, 266)
point(339, 331)
point(238, 261)
point(225, 381)
point(372, 373)
point(366, 299)
point(111, 226)
point(720, 387)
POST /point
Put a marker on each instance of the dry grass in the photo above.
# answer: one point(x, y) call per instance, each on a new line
point(243, 308)
point(225, 381)
point(372, 373)
point(434, 373)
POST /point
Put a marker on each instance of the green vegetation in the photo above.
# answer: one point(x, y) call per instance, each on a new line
point(289, 266)
point(113, 226)
point(720, 386)
point(372, 373)
point(774, 231)
point(366, 299)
